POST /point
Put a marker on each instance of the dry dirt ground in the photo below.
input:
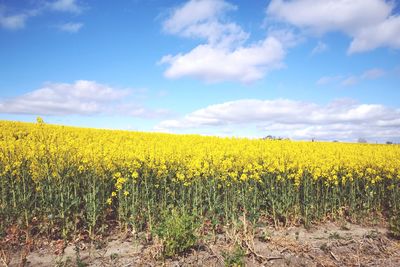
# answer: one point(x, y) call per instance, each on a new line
point(327, 244)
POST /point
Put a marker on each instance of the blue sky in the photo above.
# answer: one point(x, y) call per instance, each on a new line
point(301, 69)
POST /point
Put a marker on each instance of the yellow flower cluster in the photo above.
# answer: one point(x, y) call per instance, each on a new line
point(123, 155)
point(124, 168)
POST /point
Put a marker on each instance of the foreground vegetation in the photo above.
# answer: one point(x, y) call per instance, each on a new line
point(59, 181)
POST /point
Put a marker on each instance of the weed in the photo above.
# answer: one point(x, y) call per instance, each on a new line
point(234, 258)
point(78, 260)
point(345, 227)
point(99, 244)
point(372, 234)
point(394, 226)
point(265, 236)
point(60, 263)
point(324, 247)
point(335, 235)
point(114, 256)
point(177, 232)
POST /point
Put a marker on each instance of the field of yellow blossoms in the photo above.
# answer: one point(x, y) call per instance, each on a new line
point(72, 179)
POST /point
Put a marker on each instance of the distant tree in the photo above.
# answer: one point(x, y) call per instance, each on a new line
point(271, 137)
point(335, 141)
point(389, 142)
point(39, 120)
point(362, 140)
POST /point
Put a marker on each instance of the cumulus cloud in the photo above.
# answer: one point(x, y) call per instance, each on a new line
point(195, 11)
point(385, 33)
point(202, 19)
point(244, 64)
point(341, 119)
point(225, 54)
point(72, 27)
point(330, 15)
point(81, 97)
point(286, 36)
point(370, 23)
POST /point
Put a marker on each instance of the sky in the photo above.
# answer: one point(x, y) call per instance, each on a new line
point(300, 69)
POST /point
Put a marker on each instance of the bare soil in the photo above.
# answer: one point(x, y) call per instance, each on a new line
point(328, 244)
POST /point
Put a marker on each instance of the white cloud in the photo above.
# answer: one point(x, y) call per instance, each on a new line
point(81, 97)
point(373, 74)
point(65, 6)
point(72, 27)
point(330, 15)
point(137, 110)
point(13, 22)
point(349, 81)
point(286, 36)
point(212, 64)
point(385, 33)
point(329, 79)
point(371, 23)
point(342, 119)
point(370, 74)
point(195, 11)
point(224, 56)
point(18, 20)
point(202, 19)
point(319, 48)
